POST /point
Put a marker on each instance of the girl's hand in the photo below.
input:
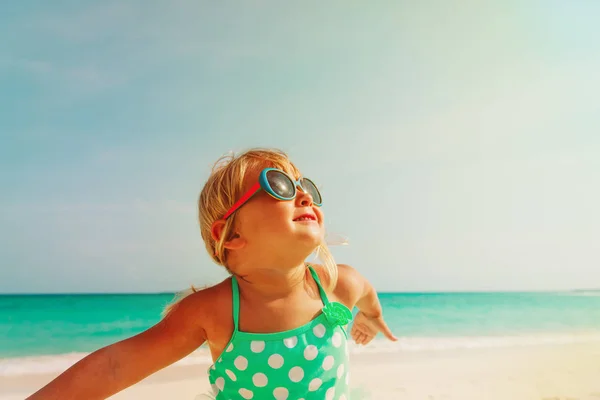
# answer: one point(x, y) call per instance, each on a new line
point(364, 328)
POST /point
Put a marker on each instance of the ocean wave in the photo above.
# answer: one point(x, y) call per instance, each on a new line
point(416, 344)
point(52, 364)
point(32, 365)
point(591, 293)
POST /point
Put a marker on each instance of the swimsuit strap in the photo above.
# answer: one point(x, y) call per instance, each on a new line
point(318, 281)
point(235, 291)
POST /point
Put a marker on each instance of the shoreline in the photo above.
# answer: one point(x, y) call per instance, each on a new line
point(541, 372)
point(379, 344)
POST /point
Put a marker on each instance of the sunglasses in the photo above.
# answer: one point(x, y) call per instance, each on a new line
point(279, 185)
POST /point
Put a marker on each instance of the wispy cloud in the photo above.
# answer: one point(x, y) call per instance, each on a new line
point(93, 210)
point(472, 124)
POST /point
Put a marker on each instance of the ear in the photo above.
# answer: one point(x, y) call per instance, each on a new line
point(235, 243)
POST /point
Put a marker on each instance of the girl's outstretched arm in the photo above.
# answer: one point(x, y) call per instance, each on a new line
point(360, 293)
point(120, 365)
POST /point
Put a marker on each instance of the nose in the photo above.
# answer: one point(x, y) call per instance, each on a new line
point(303, 198)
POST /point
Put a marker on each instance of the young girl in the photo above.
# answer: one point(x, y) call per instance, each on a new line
point(276, 328)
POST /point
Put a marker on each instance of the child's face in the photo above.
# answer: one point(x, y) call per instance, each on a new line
point(268, 224)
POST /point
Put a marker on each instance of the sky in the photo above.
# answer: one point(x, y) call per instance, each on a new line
point(456, 145)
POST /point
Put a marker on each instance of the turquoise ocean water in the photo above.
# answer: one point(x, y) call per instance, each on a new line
point(46, 333)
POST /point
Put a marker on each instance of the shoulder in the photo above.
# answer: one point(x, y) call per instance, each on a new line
point(349, 285)
point(201, 306)
point(187, 323)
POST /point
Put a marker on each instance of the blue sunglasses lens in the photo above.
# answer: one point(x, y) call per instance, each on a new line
point(311, 189)
point(281, 185)
point(284, 188)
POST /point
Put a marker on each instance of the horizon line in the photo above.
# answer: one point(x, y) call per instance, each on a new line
point(379, 292)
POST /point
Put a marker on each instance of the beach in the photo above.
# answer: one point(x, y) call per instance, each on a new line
point(509, 346)
point(559, 371)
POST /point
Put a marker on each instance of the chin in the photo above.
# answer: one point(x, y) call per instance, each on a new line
point(305, 237)
point(312, 239)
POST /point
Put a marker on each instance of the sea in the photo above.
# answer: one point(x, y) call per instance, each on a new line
point(48, 333)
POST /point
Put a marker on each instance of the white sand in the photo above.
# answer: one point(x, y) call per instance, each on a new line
point(544, 372)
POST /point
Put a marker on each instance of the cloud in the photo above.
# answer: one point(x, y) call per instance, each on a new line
point(74, 80)
point(85, 24)
point(93, 210)
point(75, 53)
point(550, 112)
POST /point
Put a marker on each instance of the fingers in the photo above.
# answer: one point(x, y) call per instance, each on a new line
point(363, 333)
point(360, 335)
point(359, 328)
point(387, 332)
point(362, 338)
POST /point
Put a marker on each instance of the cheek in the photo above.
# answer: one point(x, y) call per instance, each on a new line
point(266, 216)
point(277, 216)
point(319, 213)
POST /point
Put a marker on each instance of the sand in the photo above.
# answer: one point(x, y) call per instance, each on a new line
point(541, 372)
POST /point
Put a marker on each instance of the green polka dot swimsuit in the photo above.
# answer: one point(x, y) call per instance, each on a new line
point(306, 363)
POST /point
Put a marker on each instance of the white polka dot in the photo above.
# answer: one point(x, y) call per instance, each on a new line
point(336, 339)
point(328, 363)
point(290, 343)
point(315, 384)
point(329, 394)
point(241, 363)
point(275, 361)
point(213, 367)
point(229, 348)
point(220, 382)
point(257, 346)
point(260, 380)
point(247, 394)
point(296, 374)
point(281, 393)
point(340, 371)
point(319, 330)
point(231, 375)
point(310, 352)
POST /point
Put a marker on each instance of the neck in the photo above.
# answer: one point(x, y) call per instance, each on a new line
point(272, 283)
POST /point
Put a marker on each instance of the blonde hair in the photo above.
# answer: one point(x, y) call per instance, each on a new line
point(224, 187)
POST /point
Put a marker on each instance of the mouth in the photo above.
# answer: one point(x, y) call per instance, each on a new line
point(305, 217)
